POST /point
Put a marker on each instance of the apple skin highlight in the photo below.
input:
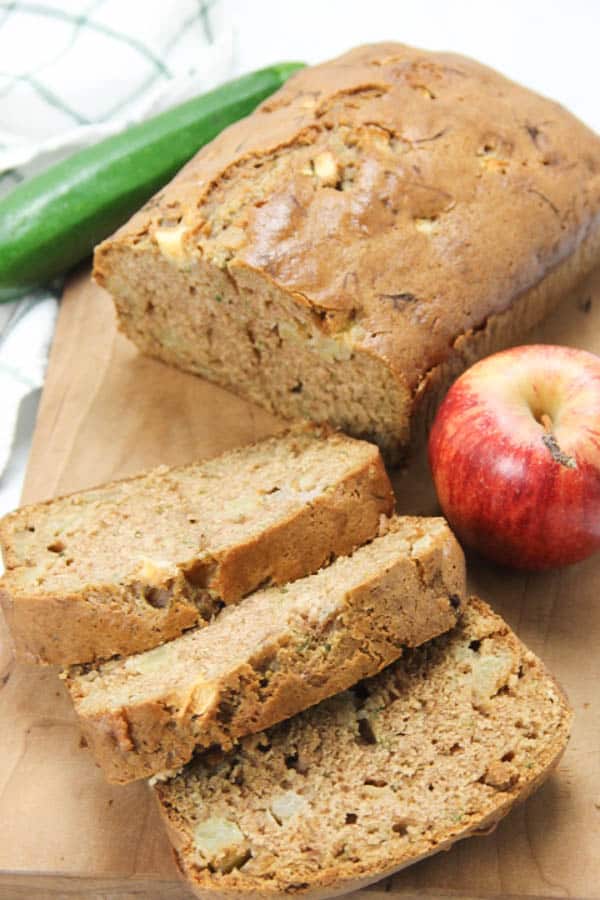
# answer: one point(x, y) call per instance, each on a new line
point(515, 456)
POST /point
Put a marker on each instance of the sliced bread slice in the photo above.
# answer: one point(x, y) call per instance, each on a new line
point(276, 653)
point(436, 748)
point(132, 564)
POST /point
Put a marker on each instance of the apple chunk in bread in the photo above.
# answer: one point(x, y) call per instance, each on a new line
point(515, 456)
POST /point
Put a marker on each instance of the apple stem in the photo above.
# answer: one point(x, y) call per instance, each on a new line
point(551, 443)
point(556, 453)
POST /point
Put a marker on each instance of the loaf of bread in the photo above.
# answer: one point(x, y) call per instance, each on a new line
point(382, 221)
point(132, 564)
point(436, 748)
point(276, 653)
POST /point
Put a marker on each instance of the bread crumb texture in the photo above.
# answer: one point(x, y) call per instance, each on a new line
point(367, 225)
point(279, 651)
point(436, 747)
point(129, 565)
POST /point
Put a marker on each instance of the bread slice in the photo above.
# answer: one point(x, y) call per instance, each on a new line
point(132, 564)
point(436, 748)
point(382, 221)
point(276, 653)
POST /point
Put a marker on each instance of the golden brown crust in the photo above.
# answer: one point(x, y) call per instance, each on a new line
point(522, 732)
point(503, 329)
point(280, 651)
point(95, 618)
point(399, 199)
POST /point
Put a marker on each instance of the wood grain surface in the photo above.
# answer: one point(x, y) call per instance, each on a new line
point(107, 412)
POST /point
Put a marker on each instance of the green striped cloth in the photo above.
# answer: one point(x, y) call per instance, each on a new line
point(71, 73)
point(74, 71)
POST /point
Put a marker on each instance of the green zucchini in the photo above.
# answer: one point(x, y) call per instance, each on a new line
point(51, 221)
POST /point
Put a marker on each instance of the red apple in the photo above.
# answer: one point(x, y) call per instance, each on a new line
point(515, 456)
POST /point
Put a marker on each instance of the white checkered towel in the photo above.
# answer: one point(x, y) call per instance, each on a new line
point(71, 73)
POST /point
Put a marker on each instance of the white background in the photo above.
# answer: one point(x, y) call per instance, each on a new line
point(549, 45)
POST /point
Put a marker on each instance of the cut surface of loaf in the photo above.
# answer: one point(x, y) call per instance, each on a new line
point(129, 565)
point(277, 652)
point(437, 747)
point(382, 221)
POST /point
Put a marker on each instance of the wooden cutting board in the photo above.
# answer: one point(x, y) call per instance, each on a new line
point(107, 412)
